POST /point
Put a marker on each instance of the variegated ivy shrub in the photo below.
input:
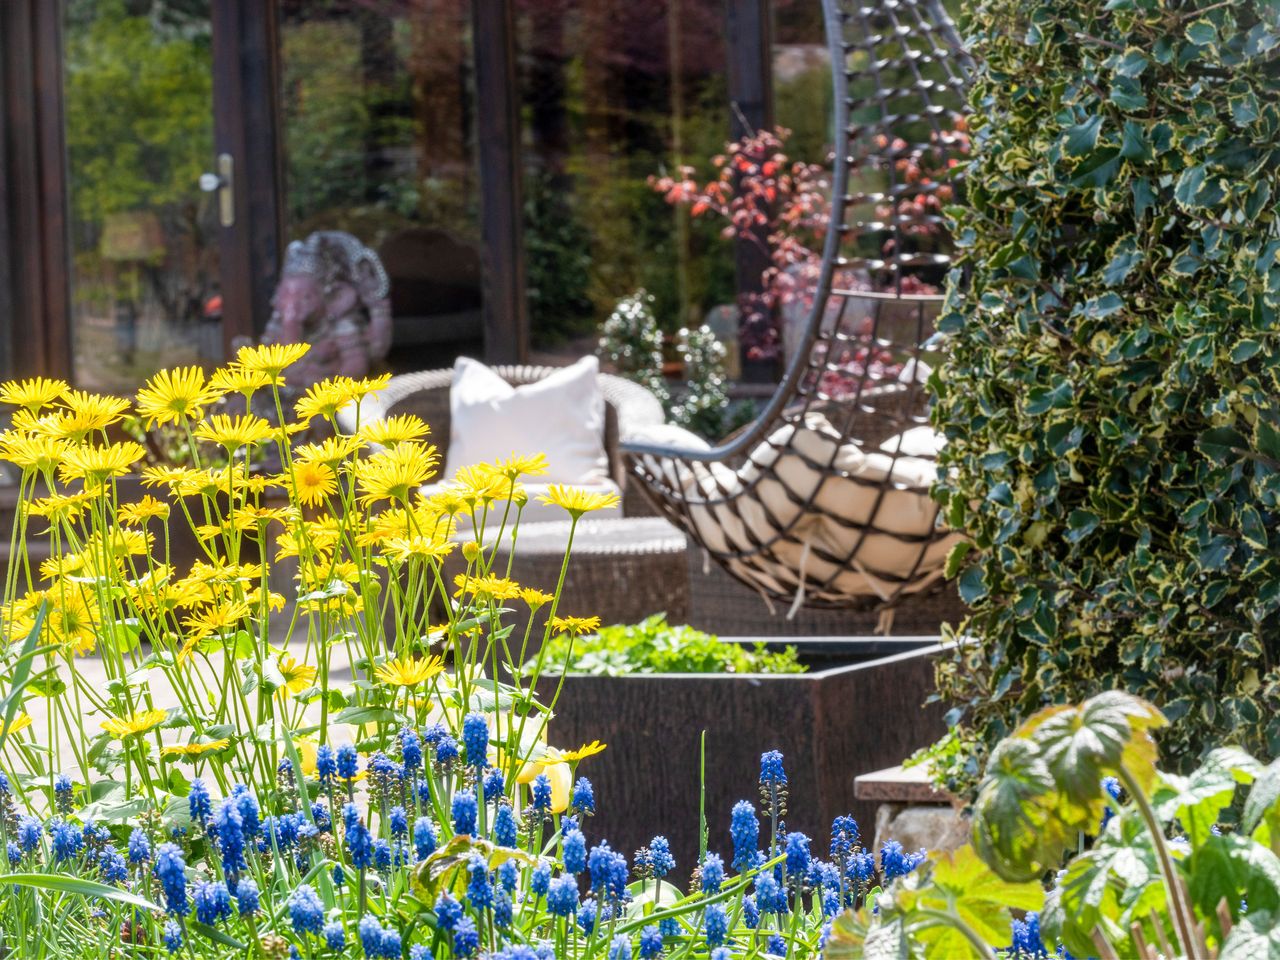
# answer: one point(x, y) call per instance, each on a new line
point(1111, 397)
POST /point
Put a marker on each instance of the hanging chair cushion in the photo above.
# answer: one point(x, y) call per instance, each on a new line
point(561, 415)
point(807, 506)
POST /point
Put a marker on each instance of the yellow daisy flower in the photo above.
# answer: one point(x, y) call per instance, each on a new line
point(330, 450)
point(402, 548)
point(270, 359)
point(59, 507)
point(88, 411)
point(535, 598)
point(138, 722)
point(408, 671)
point(495, 588)
point(312, 482)
point(39, 453)
point(95, 465)
point(137, 514)
point(193, 750)
point(233, 432)
point(68, 564)
point(32, 394)
point(578, 501)
point(393, 430)
point(395, 474)
point(325, 399)
point(515, 466)
point(368, 385)
point(218, 618)
point(575, 625)
point(236, 379)
point(584, 751)
point(175, 395)
point(297, 676)
point(20, 721)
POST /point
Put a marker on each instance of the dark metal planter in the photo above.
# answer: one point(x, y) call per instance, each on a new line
point(859, 709)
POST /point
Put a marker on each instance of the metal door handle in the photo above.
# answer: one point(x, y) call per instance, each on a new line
point(224, 183)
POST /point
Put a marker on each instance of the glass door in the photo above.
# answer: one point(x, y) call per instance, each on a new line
point(145, 277)
point(377, 114)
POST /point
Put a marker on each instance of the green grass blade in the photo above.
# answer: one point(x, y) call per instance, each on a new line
point(21, 674)
point(59, 883)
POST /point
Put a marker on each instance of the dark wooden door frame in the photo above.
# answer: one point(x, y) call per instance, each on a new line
point(35, 249)
point(505, 311)
point(750, 45)
point(34, 244)
point(246, 127)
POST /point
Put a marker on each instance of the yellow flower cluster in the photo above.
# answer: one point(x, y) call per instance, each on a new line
point(342, 514)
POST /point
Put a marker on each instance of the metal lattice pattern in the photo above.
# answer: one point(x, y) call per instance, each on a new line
point(824, 499)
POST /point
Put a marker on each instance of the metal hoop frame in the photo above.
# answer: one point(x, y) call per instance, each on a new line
point(762, 501)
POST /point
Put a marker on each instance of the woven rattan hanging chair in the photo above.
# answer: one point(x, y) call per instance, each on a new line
point(823, 500)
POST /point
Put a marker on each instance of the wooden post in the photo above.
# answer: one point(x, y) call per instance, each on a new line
point(247, 128)
point(34, 246)
point(505, 312)
point(750, 46)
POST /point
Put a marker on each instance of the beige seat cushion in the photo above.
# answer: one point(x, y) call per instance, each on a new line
point(735, 511)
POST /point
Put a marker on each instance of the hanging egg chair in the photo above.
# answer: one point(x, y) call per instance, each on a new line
point(824, 500)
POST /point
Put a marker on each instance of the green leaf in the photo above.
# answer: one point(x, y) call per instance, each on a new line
point(1255, 937)
point(1098, 170)
point(1015, 830)
point(1083, 137)
point(90, 889)
point(1263, 797)
point(1267, 439)
point(1202, 32)
point(963, 886)
point(1196, 801)
point(21, 674)
point(1083, 744)
point(955, 557)
point(1230, 867)
point(217, 936)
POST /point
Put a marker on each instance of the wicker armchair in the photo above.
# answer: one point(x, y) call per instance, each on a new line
point(629, 408)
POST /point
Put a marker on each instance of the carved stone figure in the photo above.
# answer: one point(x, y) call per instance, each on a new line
point(333, 295)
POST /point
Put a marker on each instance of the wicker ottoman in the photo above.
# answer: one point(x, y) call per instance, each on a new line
point(621, 570)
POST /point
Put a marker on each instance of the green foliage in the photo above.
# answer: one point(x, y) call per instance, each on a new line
point(704, 402)
point(631, 343)
point(654, 646)
point(1211, 891)
point(1111, 399)
point(558, 262)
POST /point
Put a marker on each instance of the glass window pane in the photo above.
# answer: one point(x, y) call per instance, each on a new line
point(139, 130)
point(378, 108)
point(614, 91)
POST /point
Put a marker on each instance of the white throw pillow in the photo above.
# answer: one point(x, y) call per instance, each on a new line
point(561, 416)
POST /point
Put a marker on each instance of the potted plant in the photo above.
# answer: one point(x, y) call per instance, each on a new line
point(661, 695)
